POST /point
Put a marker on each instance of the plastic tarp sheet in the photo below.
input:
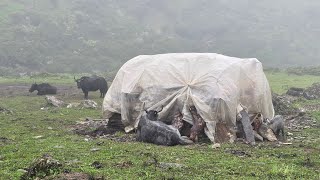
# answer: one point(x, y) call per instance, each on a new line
point(215, 84)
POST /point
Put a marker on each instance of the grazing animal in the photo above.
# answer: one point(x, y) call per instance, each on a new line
point(43, 89)
point(157, 132)
point(92, 83)
point(277, 126)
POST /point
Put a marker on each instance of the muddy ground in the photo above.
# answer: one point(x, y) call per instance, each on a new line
point(65, 91)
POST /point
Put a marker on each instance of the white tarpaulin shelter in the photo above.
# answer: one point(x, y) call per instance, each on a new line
point(215, 84)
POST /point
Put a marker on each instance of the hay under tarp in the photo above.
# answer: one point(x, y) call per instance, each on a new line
point(215, 84)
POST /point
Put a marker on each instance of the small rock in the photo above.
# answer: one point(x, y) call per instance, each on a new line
point(73, 105)
point(286, 143)
point(22, 171)
point(58, 146)
point(89, 104)
point(170, 165)
point(54, 101)
point(306, 127)
point(50, 128)
point(216, 145)
point(95, 149)
point(289, 134)
point(86, 139)
point(37, 137)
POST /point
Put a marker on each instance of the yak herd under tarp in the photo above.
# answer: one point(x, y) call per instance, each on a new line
point(217, 86)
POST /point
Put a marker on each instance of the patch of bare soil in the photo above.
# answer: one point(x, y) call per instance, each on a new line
point(22, 89)
point(313, 91)
point(300, 121)
point(74, 176)
point(102, 128)
point(313, 107)
point(296, 119)
point(283, 104)
point(238, 153)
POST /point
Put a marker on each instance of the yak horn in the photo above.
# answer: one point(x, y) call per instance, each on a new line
point(161, 109)
point(143, 105)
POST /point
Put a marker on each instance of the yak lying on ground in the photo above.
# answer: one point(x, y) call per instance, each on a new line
point(92, 83)
point(157, 132)
point(43, 89)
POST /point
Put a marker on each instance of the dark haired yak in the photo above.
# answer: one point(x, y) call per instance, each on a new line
point(43, 89)
point(92, 83)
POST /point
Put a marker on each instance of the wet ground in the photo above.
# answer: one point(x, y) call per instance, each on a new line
point(65, 91)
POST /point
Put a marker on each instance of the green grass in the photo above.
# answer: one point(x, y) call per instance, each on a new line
point(7, 8)
point(301, 160)
point(41, 78)
point(280, 82)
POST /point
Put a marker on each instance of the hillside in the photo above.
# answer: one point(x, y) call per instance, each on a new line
point(100, 35)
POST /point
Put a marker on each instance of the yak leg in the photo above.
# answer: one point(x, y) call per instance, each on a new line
point(40, 93)
point(282, 136)
point(102, 93)
point(86, 95)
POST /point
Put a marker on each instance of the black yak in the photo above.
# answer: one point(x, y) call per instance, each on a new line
point(92, 83)
point(43, 89)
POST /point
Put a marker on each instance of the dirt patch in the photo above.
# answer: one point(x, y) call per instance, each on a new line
point(313, 91)
point(300, 121)
point(10, 90)
point(296, 119)
point(313, 107)
point(283, 104)
point(74, 176)
point(111, 129)
point(238, 153)
point(284, 155)
point(125, 164)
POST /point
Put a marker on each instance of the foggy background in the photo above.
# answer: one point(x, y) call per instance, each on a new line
point(100, 35)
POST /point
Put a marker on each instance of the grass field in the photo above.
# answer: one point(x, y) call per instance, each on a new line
point(29, 132)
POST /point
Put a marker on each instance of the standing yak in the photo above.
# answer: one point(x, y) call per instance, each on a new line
point(92, 83)
point(43, 89)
